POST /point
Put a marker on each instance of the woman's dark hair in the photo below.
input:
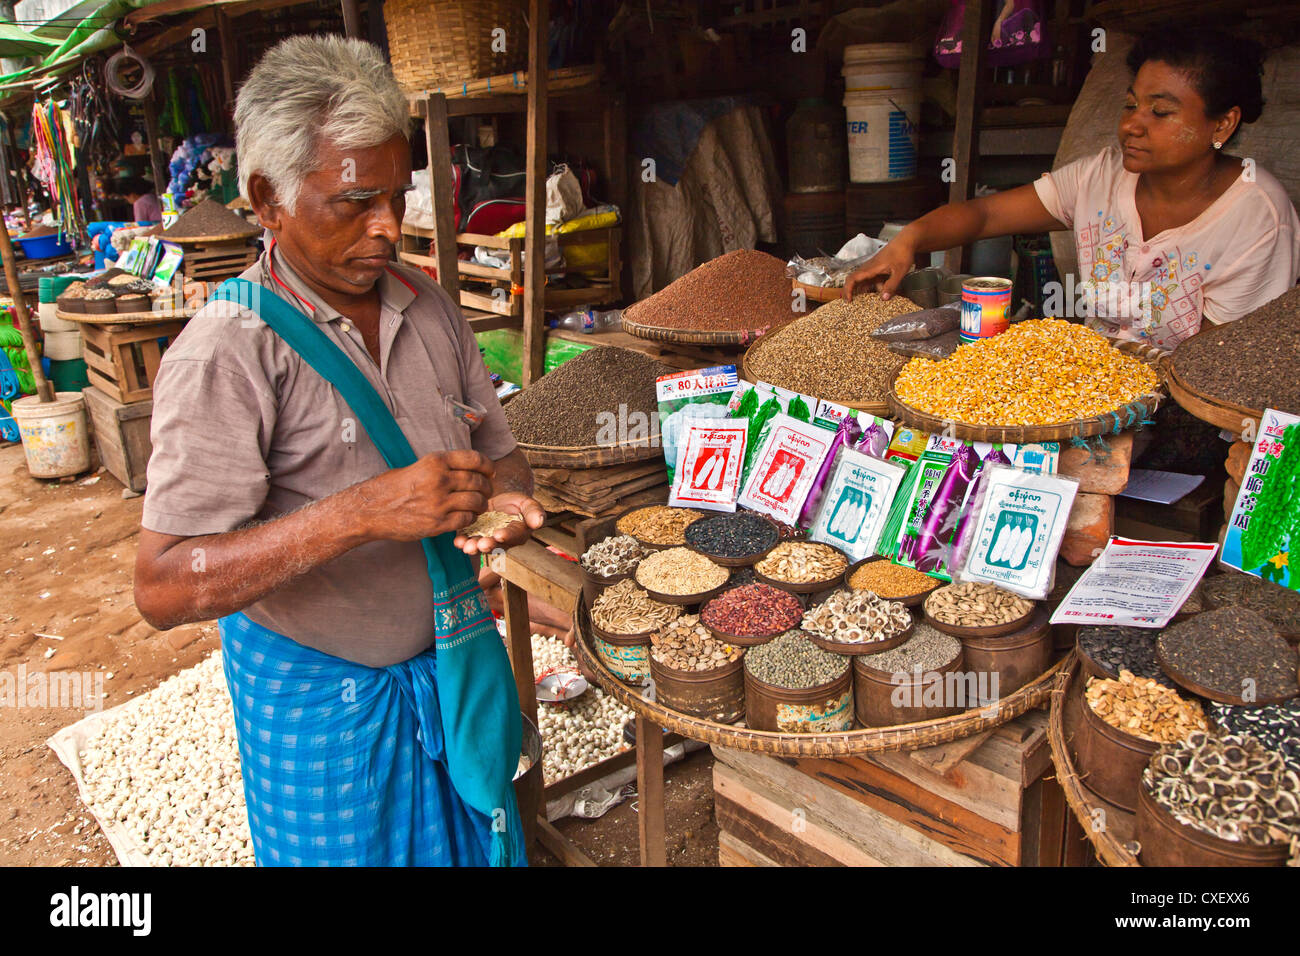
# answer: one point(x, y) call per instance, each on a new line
point(132, 185)
point(1225, 69)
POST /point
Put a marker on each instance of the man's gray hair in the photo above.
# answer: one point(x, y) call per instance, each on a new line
point(307, 90)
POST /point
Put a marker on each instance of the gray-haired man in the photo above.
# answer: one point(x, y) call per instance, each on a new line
point(270, 507)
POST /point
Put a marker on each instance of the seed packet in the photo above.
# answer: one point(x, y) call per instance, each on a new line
point(707, 474)
point(961, 538)
point(856, 504)
point(926, 474)
point(930, 553)
point(1039, 458)
point(1018, 530)
point(1265, 521)
point(845, 435)
point(783, 470)
point(685, 396)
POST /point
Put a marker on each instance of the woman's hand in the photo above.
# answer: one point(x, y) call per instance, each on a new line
point(884, 271)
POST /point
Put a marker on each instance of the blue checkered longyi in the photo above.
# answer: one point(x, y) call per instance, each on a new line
point(342, 763)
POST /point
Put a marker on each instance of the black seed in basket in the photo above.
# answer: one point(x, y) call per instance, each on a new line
point(605, 396)
point(1278, 605)
point(1116, 649)
point(732, 535)
point(1232, 651)
point(1276, 726)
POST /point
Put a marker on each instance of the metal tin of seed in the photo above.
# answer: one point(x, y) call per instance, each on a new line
point(741, 561)
point(861, 648)
point(909, 600)
point(808, 587)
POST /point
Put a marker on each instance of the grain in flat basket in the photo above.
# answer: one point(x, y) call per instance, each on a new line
point(569, 407)
point(739, 291)
point(830, 352)
point(1039, 372)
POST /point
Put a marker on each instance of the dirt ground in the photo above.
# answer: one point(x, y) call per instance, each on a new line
point(69, 550)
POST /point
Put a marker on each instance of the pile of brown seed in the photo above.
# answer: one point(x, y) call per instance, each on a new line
point(802, 562)
point(658, 524)
point(1249, 362)
point(1278, 605)
point(1232, 651)
point(976, 604)
point(739, 291)
point(679, 571)
point(830, 352)
point(686, 645)
point(890, 580)
point(1231, 787)
point(624, 608)
point(490, 522)
point(574, 405)
point(1144, 708)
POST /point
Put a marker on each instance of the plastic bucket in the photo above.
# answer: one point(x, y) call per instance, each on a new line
point(882, 131)
point(881, 66)
point(55, 435)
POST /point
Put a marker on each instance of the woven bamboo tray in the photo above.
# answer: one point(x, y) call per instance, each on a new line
point(879, 409)
point(1207, 408)
point(656, 333)
point(1109, 423)
point(844, 744)
point(125, 318)
point(1108, 840)
point(587, 456)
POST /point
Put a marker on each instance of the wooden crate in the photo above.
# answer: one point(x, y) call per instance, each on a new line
point(215, 261)
point(121, 435)
point(123, 360)
point(982, 801)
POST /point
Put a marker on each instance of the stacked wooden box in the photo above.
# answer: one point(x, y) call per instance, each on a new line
point(988, 800)
point(600, 491)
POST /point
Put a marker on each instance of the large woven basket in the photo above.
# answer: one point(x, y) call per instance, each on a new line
point(434, 43)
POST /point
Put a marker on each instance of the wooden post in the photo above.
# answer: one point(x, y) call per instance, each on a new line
point(535, 189)
point(352, 20)
point(226, 37)
point(437, 140)
point(650, 791)
point(44, 390)
point(20, 177)
point(970, 99)
point(160, 177)
point(519, 642)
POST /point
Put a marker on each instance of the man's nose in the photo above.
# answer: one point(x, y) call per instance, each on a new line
point(386, 223)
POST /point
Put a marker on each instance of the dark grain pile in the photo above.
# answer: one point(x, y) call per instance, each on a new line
point(1278, 605)
point(739, 291)
point(567, 407)
point(830, 352)
point(1250, 362)
point(209, 218)
point(1223, 650)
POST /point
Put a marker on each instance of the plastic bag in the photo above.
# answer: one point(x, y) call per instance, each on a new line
point(874, 441)
point(974, 498)
point(925, 324)
point(939, 347)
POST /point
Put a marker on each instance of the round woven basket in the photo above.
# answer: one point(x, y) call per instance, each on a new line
point(435, 43)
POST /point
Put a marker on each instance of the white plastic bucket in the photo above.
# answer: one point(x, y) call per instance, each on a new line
point(882, 132)
point(50, 322)
point(61, 346)
point(881, 66)
point(55, 434)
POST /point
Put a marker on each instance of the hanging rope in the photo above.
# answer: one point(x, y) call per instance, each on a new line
point(126, 57)
point(53, 167)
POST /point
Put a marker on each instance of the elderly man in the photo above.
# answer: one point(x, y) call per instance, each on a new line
point(376, 716)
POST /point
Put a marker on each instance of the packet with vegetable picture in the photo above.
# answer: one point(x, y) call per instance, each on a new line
point(845, 435)
point(1019, 526)
point(708, 468)
point(789, 455)
point(687, 396)
point(856, 504)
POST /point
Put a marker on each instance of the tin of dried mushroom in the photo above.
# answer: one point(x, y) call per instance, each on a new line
point(686, 645)
point(857, 622)
point(625, 609)
point(975, 609)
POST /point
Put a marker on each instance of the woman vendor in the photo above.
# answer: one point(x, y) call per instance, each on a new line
point(1170, 229)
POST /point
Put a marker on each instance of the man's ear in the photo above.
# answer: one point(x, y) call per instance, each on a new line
point(261, 196)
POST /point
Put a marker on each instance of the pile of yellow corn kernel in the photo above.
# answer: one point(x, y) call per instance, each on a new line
point(1038, 372)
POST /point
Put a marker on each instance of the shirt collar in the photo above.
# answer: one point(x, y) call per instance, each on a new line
point(395, 292)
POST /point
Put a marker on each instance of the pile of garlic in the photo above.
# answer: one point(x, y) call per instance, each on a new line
point(167, 769)
point(582, 732)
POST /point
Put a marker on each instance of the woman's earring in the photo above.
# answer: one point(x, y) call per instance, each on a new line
point(1218, 145)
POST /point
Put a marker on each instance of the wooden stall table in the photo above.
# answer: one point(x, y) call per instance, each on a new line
point(812, 753)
